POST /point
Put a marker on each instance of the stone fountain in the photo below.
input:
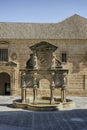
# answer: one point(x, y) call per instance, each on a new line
point(43, 64)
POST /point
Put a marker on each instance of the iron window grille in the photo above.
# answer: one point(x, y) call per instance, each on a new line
point(3, 55)
point(64, 57)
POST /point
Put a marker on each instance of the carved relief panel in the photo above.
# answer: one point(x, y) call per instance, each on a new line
point(44, 59)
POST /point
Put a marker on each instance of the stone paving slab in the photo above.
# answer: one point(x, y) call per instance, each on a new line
point(18, 119)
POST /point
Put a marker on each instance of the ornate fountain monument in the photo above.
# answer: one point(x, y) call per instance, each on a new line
point(43, 64)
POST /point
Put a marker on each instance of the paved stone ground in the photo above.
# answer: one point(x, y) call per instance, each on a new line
point(18, 119)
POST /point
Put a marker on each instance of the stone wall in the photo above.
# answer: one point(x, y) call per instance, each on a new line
point(76, 50)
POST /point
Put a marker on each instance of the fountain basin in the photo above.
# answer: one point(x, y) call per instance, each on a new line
point(43, 104)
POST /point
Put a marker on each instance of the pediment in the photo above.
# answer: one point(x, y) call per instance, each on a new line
point(42, 54)
point(43, 46)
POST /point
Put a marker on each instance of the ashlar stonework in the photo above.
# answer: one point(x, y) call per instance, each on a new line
point(70, 38)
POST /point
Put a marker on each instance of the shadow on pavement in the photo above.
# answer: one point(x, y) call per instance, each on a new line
point(34, 120)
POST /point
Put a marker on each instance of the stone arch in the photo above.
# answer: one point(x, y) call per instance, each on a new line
point(44, 83)
point(5, 83)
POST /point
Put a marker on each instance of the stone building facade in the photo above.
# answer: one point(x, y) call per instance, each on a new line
point(70, 36)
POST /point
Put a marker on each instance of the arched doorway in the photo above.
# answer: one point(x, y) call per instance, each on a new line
point(4, 83)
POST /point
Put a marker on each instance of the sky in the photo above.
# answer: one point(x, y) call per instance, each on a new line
point(41, 11)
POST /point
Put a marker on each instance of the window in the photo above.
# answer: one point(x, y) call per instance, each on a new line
point(3, 54)
point(64, 57)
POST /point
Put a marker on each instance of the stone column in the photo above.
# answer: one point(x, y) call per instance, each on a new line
point(63, 95)
point(52, 89)
point(23, 95)
point(35, 91)
point(35, 65)
point(63, 89)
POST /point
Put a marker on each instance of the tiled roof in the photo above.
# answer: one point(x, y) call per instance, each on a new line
point(74, 27)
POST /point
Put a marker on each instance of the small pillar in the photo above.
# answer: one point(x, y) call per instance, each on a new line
point(24, 92)
point(52, 89)
point(35, 91)
point(24, 95)
point(34, 96)
point(63, 95)
point(63, 89)
point(52, 96)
